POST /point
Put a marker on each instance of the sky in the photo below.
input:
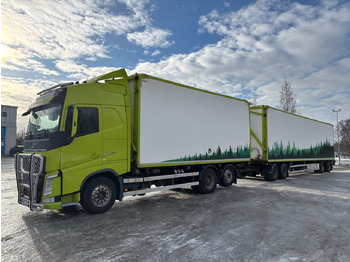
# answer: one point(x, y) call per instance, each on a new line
point(239, 48)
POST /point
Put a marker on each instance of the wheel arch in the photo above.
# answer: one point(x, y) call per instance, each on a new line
point(108, 173)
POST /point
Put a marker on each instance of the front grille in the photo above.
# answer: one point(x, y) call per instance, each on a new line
point(29, 174)
point(37, 165)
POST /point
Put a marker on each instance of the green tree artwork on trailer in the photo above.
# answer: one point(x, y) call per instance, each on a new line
point(217, 154)
point(320, 150)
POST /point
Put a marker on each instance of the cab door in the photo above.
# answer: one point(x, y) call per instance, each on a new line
point(82, 153)
point(115, 134)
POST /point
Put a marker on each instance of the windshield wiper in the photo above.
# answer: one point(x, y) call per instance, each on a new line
point(43, 133)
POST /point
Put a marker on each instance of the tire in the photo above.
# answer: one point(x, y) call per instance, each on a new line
point(228, 176)
point(327, 166)
point(272, 173)
point(98, 195)
point(207, 181)
point(284, 171)
point(321, 168)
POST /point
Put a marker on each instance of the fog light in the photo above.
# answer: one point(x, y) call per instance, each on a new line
point(49, 200)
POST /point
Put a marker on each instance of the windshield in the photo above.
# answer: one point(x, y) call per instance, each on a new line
point(44, 118)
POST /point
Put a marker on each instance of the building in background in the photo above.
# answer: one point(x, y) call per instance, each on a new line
point(8, 128)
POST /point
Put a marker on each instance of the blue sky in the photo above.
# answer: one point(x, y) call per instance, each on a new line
point(238, 48)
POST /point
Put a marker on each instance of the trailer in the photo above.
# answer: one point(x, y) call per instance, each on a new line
point(281, 141)
point(115, 135)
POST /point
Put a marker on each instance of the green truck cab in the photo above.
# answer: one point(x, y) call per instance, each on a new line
point(76, 132)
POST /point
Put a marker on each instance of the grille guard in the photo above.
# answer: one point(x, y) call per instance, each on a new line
point(30, 175)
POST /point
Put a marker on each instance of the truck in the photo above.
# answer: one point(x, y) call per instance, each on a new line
point(113, 136)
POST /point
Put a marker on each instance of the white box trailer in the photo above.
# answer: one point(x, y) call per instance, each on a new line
point(174, 124)
point(285, 139)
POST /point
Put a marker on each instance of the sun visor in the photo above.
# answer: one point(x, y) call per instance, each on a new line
point(53, 97)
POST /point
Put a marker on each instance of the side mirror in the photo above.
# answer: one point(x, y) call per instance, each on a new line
point(75, 122)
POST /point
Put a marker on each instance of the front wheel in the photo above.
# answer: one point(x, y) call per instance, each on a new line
point(98, 195)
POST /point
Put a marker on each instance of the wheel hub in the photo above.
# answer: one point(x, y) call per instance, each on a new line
point(209, 181)
point(101, 195)
point(227, 176)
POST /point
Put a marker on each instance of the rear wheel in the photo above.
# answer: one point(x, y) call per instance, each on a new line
point(271, 173)
point(207, 181)
point(284, 171)
point(321, 168)
point(327, 166)
point(98, 195)
point(228, 175)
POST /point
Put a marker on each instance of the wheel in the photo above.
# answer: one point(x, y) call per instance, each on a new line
point(321, 168)
point(228, 176)
point(284, 171)
point(98, 195)
point(327, 166)
point(207, 181)
point(271, 173)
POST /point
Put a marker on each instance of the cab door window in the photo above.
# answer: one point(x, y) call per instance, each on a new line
point(87, 121)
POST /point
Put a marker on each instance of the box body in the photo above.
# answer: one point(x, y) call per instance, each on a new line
point(280, 136)
point(174, 124)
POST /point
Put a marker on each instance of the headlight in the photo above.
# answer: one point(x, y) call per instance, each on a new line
point(48, 184)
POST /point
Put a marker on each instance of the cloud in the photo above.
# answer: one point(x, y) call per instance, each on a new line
point(263, 42)
point(42, 32)
point(258, 45)
point(151, 37)
point(156, 52)
point(15, 89)
point(22, 59)
point(81, 71)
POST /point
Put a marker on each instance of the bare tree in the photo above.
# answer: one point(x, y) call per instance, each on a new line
point(287, 101)
point(20, 137)
point(253, 101)
point(344, 128)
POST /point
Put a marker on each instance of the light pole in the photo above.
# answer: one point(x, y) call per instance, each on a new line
point(337, 111)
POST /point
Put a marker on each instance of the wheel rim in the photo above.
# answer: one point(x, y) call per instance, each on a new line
point(228, 176)
point(101, 195)
point(209, 181)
